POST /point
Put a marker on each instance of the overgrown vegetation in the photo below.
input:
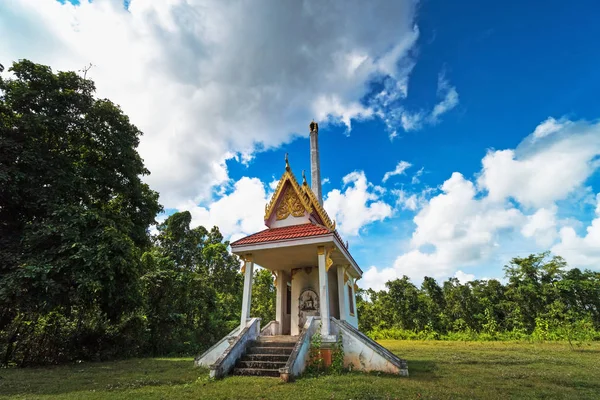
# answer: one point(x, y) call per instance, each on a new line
point(542, 300)
point(316, 362)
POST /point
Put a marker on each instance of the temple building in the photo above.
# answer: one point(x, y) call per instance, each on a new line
point(315, 278)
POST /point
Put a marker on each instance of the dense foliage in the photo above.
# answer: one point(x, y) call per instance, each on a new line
point(80, 276)
point(542, 299)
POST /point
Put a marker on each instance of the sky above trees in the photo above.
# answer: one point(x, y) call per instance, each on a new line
point(453, 137)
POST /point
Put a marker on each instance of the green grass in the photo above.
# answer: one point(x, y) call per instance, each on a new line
point(438, 370)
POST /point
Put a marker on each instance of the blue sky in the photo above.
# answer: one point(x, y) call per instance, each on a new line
point(503, 143)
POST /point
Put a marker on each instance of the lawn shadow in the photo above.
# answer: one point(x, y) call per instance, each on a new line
point(97, 376)
point(422, 369)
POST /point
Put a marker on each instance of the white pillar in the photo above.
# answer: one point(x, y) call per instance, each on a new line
point(342, 295)
point(280, 306)
point(323, 291)
point(247, 299)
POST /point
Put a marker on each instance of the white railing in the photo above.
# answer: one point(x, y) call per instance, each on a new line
point(236, 349)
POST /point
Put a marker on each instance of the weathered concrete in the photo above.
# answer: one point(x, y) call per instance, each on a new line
point(364, 353)
point(271, 329)
point(237, 348)
point(315, 168)
point(299, 356)
point(211, 355)
point(265, 356)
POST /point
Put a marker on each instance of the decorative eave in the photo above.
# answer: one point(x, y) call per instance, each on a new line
point(304, 194)
point(318, 207)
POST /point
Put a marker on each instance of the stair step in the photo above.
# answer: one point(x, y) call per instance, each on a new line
point(256, 372)
point(267, 343)
point(270, 350)
point(266, 357)
point(260, 364)
point(281, 339)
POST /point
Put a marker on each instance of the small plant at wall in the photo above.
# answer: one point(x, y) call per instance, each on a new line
point(337, 356)
point(316, 362)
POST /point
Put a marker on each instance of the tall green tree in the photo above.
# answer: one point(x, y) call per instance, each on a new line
point(74, 211)
point(192, 287)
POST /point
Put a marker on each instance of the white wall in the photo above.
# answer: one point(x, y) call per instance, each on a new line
point(300, 281)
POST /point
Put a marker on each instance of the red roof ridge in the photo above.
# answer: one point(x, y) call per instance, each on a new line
point(308, 229)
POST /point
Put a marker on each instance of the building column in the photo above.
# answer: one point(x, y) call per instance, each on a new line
point(342, 295)
point(280, 306)
point(323, 291)
point(248, 270)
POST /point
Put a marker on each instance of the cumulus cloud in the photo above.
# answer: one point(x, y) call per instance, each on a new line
point(515, 197)
point(541, 226)
point(581, 251)
point(548, 127)
point(463, 277)
point(208, 80)
point(399, 170)
point(356, 205)
point(237, 214)
point(539, 173)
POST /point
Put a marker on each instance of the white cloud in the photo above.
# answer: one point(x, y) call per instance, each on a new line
point(207, 80)
point(399, 170)
point(541, 226)
point(406, 201)
point(237, 214)
point(539, 173)
point(463, 277)
point(449, 100)
point(584, 251)
point(548, 127)
point(356, 205)
point(411, 121)
point(416, 177)
point(324, 181)
point(515, 199)
point(375, 279)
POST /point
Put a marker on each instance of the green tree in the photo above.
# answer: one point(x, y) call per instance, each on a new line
point(74, 211)
point(263, 296)
point(192, 287)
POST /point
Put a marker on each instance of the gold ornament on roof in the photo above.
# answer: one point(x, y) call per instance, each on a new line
point(328, 260)
point(304, 194)
point(290, 204)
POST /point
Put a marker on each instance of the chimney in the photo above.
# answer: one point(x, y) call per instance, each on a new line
point(315, 166)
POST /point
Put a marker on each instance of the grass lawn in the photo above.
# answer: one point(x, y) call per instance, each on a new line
point(438, 370)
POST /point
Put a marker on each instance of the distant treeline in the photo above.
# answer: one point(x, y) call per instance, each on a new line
point(542, 300)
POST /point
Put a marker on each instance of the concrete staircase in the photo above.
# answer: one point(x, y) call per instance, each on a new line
point(265, 356)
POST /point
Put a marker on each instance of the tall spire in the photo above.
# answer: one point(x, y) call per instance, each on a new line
point(315, 167)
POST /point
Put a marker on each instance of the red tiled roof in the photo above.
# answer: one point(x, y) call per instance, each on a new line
point(287, 232)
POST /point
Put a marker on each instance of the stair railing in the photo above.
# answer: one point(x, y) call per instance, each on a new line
point(297, 361)
point(236, 349)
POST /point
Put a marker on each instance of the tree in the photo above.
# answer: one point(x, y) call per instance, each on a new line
point(74, 211)
point(263, 296)
point(192, 287)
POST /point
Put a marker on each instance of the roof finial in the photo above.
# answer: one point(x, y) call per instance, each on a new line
point(287, 163)
point(304, 178)
point(314, 127)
